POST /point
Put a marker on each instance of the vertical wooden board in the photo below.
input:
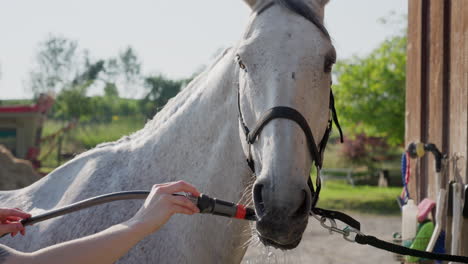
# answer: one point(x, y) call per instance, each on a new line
point(446, 107)
point(459, 88)
point(413, 83)
point(435, 84)
point(459, 91)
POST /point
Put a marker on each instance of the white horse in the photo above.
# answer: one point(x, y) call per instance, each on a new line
point(282, 59)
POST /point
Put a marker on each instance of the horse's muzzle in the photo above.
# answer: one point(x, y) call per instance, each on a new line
point(281, 220)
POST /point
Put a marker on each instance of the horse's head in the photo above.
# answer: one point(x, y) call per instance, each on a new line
point(285, 59)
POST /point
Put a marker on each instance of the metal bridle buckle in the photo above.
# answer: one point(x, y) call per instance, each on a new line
point(333, 228)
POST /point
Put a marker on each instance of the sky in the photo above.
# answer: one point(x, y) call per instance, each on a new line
point(174, 38)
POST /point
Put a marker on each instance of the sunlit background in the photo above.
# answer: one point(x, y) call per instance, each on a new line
point(174, 38)
point(110, 66)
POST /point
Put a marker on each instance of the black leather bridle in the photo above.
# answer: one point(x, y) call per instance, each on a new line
point(316, 152)
point(285, 112)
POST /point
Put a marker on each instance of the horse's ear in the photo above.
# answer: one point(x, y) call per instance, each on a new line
point(319, 7)
point(322, 3)
point(250, 3)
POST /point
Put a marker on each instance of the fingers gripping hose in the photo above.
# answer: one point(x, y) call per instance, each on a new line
point(206, 204)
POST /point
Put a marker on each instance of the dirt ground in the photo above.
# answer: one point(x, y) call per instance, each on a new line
point(318, 246)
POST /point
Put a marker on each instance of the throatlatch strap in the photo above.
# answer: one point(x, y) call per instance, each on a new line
point(324, 141)
point(334, 115)
point(241, 117)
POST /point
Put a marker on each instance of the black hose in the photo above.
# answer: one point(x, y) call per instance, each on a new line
point(205, 203)
point(106, 198)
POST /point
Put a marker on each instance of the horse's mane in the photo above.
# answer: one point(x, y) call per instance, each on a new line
point(298, 7)
point(176, 102)
point(172, 105)
point(304, 10)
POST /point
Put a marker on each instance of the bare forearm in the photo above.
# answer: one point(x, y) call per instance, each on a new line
point(104, 247)
point(111, 244)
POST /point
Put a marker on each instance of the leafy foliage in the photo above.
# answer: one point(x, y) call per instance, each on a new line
point(365, 150)
point(124, 72)
point(57, 63)
point(160, 90)
point(370, 94)
point(66, 71)
point(72, 103)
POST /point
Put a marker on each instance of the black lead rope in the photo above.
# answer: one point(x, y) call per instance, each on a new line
point(375, 242)
point(317, 156)
point(335, 215)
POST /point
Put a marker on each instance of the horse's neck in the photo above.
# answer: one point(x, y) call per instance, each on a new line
point(194, 138)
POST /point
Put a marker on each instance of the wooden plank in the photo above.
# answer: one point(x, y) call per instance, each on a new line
point(459, 95)
point(458, 84)
point(413, 85)
point(425, 106)
point(446, 106)
point(435, 87)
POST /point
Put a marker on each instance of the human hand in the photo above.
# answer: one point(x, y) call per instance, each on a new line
point(10, 221)
point(160, 205)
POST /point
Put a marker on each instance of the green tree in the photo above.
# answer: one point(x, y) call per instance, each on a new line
point(65, 70)
point(57, 63)
point(110, 90)
point(131, 66)
point(89, 74)
point(370, 93)
point(124, 71)
point(73, 103)
point(160, 90)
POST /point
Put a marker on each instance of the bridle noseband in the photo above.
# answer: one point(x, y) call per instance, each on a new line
point(285, 112)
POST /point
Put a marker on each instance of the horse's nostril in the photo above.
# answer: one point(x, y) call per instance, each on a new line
point(304, 207)
point(258, 200)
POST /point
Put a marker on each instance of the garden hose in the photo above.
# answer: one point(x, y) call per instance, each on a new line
point(206, 204)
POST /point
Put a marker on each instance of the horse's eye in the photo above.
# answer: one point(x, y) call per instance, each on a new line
point(241, 64)
point(328, 65)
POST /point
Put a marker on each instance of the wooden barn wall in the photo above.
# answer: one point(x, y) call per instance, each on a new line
point(437, 90)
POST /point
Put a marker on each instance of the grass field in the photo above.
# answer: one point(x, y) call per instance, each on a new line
point(85, 136)
point(335, 194)
point(338, 195)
